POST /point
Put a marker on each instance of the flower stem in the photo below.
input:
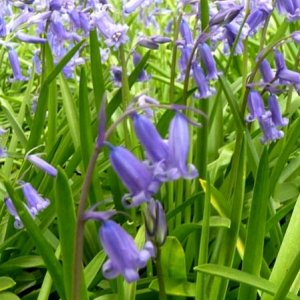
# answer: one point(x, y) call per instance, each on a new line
point(76, 283)
point(160, 277)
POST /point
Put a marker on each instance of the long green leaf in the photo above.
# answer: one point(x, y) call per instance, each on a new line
point(242, 277)
point(41, 243)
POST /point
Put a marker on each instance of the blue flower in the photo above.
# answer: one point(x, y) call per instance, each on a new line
point(123, 255)
point(156, 223)
point(114, 34)
point(271, 133)
point(135, 176)
point(15, 65)
point(256, 106)
point(42, 164)
point(12, 211)
point(34, 201)
point(276, 116)
point(143, 76)
point(179, 144)
point(208, 61)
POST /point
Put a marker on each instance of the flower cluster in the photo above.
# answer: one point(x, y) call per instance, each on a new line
point(34, 202)
point(165, 161)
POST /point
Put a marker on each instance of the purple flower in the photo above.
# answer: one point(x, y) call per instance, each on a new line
point(271, 133)
point(132, 5)
point(3, 30)
point(156, 223)
point(116, 76)
point(226, 16)
point(179, 144)
point(147, 43)
point(143, 76)
point(114, 34)
point(208, 60)
point(204, 90)
point(34, 201)
point(15, 65)
point(266, 71)
point(135, 176)
point(255, 106)
point(12, 211)
point(29, 38)
point(256, 18)
point(276, 116)
point(42, 164)
point(186, 32)
point(123, 255)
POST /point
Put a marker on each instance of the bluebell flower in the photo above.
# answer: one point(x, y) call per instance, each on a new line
point(208, 61)
point(290, 8)
point(256, 106)
point(147, 43)
point(116, 76)
point(266, 71)
point(15, 65)
point(271, 133)
point(132, 5)
point(143, 76)
point(42, 164)
point(179, 145)
point(204, 91)
point(186, 52)
point(257, 17)
point(34, 201)
point(114, 34)
point(18, 224)
point(226, 16)
point(156, 223)
point(186, 33)
point(3, 30)
point(29, 38)
point(135, 176)
point(123, 255)
point(276, 115)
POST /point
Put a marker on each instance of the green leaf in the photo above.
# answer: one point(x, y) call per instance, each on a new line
point(66, 226)
point(182, 231)
point(8, 296)
point(43, 246)
point(93, 268)
point(96, 69)
point(39, 117)
point(6, 283)
point(173, 259)
point(70, 109)
point(243, 277)
point(175, 287)
point(29, 261)
point(256, 226)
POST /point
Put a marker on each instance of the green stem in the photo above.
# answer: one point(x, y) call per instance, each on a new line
point(78, 251)
point(160, 277)
point(203, 247)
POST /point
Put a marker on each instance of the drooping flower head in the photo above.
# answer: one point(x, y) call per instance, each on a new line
point(42, 164)
point(123, 255)
point(135, 176)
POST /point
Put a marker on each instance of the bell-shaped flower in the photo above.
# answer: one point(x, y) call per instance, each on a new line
point(256, 106)
point(179, 144)
point(123, 255)
point(256, 18)
point(271, 133)
point(114, 34)
point(276, 115)
point(13, 212)
point(226, 16)
point(34, 201)
point(186, 33)
point(134, 174)
point(266, 71)
point(143, 76)
point(157, 150)
point(208, 61)
point(42, 164)
point(132, 5)
point(204, 91)
point(156, 223)
point(15, 65)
